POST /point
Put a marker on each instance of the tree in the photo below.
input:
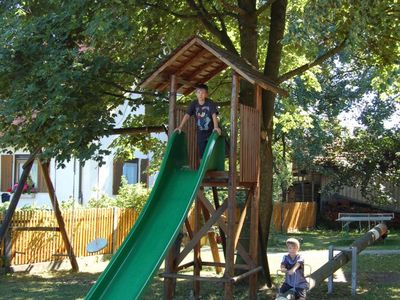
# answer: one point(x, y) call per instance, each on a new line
point(292, 40)
point(66, 65)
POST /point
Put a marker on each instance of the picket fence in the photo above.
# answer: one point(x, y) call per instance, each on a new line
point(113, 224)
point(82, 225)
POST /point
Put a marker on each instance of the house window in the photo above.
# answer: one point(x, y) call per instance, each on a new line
point(20, 160)
point(134, 171)
point(12, 168)
point(130, 171)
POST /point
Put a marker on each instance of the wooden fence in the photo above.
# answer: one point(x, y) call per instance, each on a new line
point(113, 224)
point(295, 216)
point(82, 225)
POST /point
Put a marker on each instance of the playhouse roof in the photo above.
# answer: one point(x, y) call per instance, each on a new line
point(197, 61)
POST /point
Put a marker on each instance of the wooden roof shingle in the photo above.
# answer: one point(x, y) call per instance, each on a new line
point(197, 61)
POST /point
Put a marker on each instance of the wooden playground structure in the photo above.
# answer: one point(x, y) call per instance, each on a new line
point(197, 61)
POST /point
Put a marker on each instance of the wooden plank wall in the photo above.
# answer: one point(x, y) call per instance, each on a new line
point(190, 130)
point(249, 143)
point(82, 225)
point(296, 216)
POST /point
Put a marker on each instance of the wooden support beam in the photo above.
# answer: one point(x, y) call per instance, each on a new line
point(221, 233)
point(195, 278)
point(318, 276)
point(237, 266)
point(246, 274)
point(253, 248)
point(170, 266)
point(59, 218)
point(8, 254)
point(242, 217)
point(36, 228)
point(230, 239)
point(189, 228)
point(185, 266)
point(201, 232)
point(172, 105)
point(211, 239)
point(196, 252)
point(15, 198)
point(240, 249)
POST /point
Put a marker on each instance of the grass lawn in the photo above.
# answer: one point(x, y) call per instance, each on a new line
point(378, 276)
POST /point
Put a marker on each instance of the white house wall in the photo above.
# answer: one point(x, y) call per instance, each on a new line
point(95, 179)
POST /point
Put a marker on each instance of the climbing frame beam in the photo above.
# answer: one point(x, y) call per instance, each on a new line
point(58, 214)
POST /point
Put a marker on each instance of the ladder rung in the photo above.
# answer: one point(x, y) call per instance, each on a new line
point(37, 228)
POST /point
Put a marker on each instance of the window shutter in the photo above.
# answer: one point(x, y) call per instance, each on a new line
point(117, 174)
point(6, 172)
point(144, 176)
point(42, 187)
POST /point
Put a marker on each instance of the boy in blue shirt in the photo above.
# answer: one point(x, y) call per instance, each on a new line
point(205, 112)
point(293, 266)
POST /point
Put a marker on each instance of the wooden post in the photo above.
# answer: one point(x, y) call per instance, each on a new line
point(196, 252)
point(169, 283)
point(17, 194)
point(254, 241)
point(172, 105)
point(115, 228)
point(254, 214)
point(221, 232)
point(230, 241)
point(59, 217)
point(8, 252)
point(212, 241)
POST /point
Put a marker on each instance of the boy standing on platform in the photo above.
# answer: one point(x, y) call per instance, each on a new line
point(205, 112)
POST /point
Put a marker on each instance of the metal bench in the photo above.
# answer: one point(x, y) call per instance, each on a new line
point(374, 218)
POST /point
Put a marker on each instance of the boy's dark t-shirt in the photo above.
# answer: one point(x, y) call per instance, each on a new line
point(203, 115)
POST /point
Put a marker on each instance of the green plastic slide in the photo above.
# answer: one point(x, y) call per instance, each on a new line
point(143, 250)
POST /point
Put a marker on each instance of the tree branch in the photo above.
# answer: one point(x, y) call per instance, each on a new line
point(178, 15)
point(139, 130)
point(233, 8)
point(263, 7)
point(135, 100)
point(221, 20)
point(314, 63)
point(204, 17)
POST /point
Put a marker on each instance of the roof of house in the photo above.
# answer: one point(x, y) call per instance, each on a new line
point(197, 61)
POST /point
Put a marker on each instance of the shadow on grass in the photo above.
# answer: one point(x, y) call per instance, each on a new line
point(52, 285)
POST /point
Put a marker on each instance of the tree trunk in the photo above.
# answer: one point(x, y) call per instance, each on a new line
point(248, 46)
point(271, 70)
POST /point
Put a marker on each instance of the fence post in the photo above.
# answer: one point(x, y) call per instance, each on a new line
point(114, 230)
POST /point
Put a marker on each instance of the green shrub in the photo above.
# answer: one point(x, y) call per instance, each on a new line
point(131, 195)
point(103, 201)
point(3, 207)
point(70, 203)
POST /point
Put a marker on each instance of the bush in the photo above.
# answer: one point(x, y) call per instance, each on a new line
point(3, 207)
point(70, 203)
point(103, 201)
point(132, 195)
